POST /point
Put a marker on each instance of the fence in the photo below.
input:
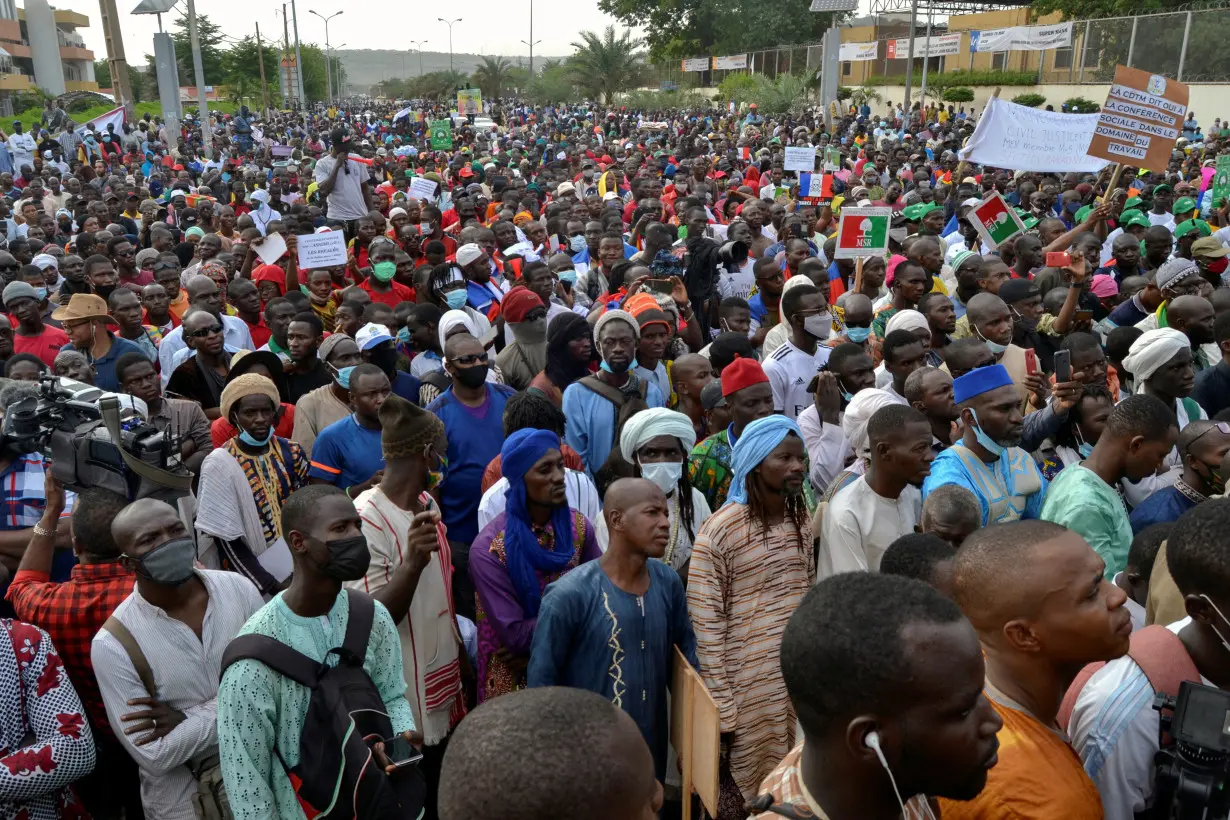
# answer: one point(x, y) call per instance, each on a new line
point(1189, 45)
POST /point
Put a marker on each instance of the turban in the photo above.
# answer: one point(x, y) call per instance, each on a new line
point(656, 421)
point(616, 316)
point(907, 320)
point(249, 384)
point(1152, 350)
point(759, 439)
point(451, 320)
point(980, 380)
point(523, 555)
point(518, 303)
point(858, 413)
point(523, 218)
point(742, 373)
point(468, 253)
point(1104, 285)
point(195, 231)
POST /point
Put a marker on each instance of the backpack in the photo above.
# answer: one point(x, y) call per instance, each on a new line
point(1160, 655)
point(336, 778)
point(625, 406)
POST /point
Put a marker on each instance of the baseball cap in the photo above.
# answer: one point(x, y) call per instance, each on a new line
point(1209, 247)
point(711, 395)
point(372, 334)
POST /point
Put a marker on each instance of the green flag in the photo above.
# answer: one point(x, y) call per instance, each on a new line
point(441, 134)
point(1221, 180)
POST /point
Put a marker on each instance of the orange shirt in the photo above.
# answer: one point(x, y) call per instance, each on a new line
point(1039, 777)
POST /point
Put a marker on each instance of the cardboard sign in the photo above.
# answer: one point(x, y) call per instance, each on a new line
point(695, 732)
point(863, 232)
point(1221, 179)
point(271, 248)
point(281, 150)
point(995, 220)
point(322, 250)
point(800, 158)
point(441, 134)
point(816, 186)
point(1141, 119)
point(832, 158)
point(423, 189)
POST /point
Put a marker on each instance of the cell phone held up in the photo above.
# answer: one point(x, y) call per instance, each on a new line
point(1063, 366)
point(1058, 259)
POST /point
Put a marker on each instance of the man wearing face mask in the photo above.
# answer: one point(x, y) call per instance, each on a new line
point(173, 630)
point(793, 365)
point(991, 321)
point(526, 356)
point(1201, 446)
point(244, 484)
point(1124, 740)
point(380, 285)
point(312, 617)
point(377, 346)
point(988, 461)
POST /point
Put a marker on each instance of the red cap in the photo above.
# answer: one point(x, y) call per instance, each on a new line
point(741, 373)
point(517, 304)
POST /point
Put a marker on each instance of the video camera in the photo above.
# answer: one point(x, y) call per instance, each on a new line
point(76, 427)
point(1193, 757)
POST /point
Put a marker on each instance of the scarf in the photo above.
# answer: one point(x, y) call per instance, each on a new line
point(759, 439)
point(523, 555)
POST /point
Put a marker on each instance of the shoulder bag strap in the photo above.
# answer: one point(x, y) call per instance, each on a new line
point(611, 394)
point(139, 662)
point(276, 655)
point(359, 624)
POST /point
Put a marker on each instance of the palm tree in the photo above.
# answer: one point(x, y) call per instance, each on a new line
point(606, 65)
point(492, 75)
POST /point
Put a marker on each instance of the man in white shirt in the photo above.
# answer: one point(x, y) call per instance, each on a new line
point(158, 659)
point(22, 148)
point(344, 182)
point(793, 365)
point(848, 371)
point(883, 504)
point(203, 295)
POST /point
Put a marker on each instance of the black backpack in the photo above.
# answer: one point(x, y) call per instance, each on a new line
point(337, 778)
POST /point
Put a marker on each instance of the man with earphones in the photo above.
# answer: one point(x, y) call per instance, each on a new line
point(886, 678)
point(1057, 614)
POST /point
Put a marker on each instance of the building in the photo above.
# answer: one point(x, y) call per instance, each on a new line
point(40, 46)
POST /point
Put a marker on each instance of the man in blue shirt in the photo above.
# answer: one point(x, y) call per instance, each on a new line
point(347, 453)
point(85, 320)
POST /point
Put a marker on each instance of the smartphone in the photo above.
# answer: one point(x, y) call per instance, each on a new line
point(1031, 362)
point(660, 285)
point(1084, 316)
point(1063, 366)
point(400, 752)
point(1058, 259)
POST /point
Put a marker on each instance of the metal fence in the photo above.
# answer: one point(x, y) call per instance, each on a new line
point(1191, 45)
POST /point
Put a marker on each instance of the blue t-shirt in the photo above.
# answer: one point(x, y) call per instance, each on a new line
point(475, 436)
point(346, 453)
point(406, 386)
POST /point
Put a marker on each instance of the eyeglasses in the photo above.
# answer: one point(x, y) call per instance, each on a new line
point(205, 331)
point(1221, 426)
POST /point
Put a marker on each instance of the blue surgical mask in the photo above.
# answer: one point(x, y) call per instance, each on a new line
point(608, 369)
point(341, 375)
point(249, 440)
point(456, 299)
point(568, 275)
point(577, 243)
point(989, 444)
point(42, 292)
point(1083, 447)
point(226, 177)
point(403, 335)
point(858, 335)
point(995, 347)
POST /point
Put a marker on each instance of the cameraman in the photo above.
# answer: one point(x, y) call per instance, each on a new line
point(1113, 725)
point(22, 477)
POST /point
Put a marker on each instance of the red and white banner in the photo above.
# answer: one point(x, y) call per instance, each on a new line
point(113, 117)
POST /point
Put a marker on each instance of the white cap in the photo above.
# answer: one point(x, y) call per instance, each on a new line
point(372, 334)
point(44, 261)
point(971, 202)
point(565, 188)
point(468, 253)
point(609, 195)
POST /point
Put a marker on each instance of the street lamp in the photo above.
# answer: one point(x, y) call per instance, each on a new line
point(419, 44)
point(340, 92)
point(328, 51)
point(449, 23)
point(531, 45)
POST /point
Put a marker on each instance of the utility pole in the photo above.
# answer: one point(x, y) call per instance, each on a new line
point(199, 69)
point(531, 41)
point(909, 62)
point(419, 45)
point(260, 58)
point(114, 41)
point(289, 90)
point(449, 23)
point(294, 17)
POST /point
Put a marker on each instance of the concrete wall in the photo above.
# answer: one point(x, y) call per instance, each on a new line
point(44, 46)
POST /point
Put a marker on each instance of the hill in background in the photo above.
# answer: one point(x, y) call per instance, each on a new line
point(366, 67)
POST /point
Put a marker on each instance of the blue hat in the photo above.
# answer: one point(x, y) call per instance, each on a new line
point(980, 380)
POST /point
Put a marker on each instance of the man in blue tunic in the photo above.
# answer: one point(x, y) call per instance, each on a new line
point(610, 626)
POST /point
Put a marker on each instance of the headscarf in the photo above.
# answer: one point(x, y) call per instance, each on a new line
point(1152, 350)
point(891, 272)
point(561, 331)
point(656, 421)
point(451, 320)
point(270, 273)
point(262, 214)
point(858, 413)
point(523, 556)
point(907, 320)
point(759, 439)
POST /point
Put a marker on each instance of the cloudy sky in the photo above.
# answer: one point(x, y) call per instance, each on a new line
point(487, 26)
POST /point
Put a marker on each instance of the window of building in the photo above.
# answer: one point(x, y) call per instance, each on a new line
point(1063, 57)
point(847, 68)
point(999, 61)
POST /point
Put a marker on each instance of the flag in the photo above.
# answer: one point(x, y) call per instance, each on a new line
point(816, 186)
point(113, 117)
point(745, 152)
point(996, 221)
point(441, 134)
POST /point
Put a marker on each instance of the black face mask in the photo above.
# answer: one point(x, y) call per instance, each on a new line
point(384, 356)
point(472, 377)
point(348, 559)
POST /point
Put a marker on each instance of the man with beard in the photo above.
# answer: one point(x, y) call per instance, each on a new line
point(1193, 317)
point(987, 461)
point(884, 503)
point(85, 320)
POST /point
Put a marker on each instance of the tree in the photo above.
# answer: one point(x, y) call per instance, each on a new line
point(242, 62)
point(102, 73)
point(492, 75)
point(553, 84)
point(605, 65)
point(212, 59)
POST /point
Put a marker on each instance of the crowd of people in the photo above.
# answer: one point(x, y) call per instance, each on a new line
point(593, 389)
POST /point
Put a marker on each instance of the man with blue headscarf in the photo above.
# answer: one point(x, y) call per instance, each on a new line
point(751, 566)
point(533, 542)
point(988, 461)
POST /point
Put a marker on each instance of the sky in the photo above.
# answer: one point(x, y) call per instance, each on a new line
point(484, 29)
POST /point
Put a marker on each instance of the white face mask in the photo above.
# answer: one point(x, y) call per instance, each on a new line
point(819, 326)
point(665, 474)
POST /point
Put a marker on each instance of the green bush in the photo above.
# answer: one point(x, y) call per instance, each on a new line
point(951, 79)
point(1080, 105)
point(958, 94)
point(844, 93)
point(1029, 99)
point(737, 87)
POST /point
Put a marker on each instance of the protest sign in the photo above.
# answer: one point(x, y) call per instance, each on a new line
point(995, 220)
point(1021, 38)
point(800, 158)
point(423, 189)
point(816, 186)
point(698, 64)
point(863, 232)
point(469, 101)
point(1141, 119)
point(1026, 139)
point(322, 250)
point(282, 150)
point(944, 45)
point(859, 52)
point(270, 248)
point(1221, 179)
point(832, 158)
point(441, 134)
point(113, 117)
point(735, 63)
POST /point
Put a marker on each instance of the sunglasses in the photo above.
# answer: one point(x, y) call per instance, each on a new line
point(1221, 426)
point(205, 331)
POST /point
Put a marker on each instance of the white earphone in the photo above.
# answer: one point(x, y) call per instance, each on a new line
point(872, 741)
